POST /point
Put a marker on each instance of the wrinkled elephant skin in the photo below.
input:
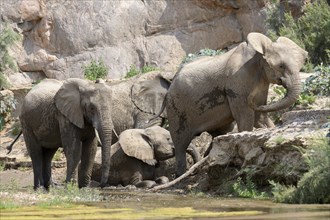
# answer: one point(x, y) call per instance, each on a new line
point(211, 93)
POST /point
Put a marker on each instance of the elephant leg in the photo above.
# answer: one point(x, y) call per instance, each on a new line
point(35, 152)
point(48, 155)
point(71, 141)
point(37, 160)
point(244, 119)
point(88, 153)
point(262, 120)
point(181, 144)
point(73, 155)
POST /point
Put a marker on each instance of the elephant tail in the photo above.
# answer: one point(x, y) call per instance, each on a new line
point(10, 147)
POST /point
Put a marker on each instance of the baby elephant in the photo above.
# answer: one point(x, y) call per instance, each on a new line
point(134, 156)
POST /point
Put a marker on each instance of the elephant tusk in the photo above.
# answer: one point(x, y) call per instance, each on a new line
point(114, 131)
point(97, 136)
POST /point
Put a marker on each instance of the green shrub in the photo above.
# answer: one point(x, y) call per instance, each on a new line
point(16, 128)
point(247, 189)
point(4, 84)
point(147, 68)
point(7, 105)
point(133, 71)
point(203, 52)
point(95, 70)
point(8, 37)
point(319, 83)
point(313, 187)
point(311, 31)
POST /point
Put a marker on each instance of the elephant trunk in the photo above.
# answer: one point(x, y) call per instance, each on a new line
point(293, 86)
point(105, 132)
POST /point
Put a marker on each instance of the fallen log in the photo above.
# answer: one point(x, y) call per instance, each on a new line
point(183, 176)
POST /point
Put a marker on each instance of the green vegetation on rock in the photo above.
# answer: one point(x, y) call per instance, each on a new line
point(133, 71)
point(203, 52)
point(7, 105)
point(311, 30)
point(95, 70)
point(8, 37)
point(313, 187)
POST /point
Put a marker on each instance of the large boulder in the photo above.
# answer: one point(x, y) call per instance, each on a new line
point(60, 37)
point(268, 154)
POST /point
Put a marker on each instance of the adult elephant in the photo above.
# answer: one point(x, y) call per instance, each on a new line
point(135, 156)
point(211, 93)
point(137, 101)
point(67, 114)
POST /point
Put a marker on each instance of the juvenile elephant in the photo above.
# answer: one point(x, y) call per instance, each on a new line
point(134, 156)
point(138, 100)
point(211, 93)
point(56, 114)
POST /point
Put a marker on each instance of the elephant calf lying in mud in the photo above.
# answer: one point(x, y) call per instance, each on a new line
point(135, 156)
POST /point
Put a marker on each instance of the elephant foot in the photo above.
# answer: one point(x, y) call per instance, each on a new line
point(162, 180)
point(102, 185)
point(41, 189)
point(146, 184)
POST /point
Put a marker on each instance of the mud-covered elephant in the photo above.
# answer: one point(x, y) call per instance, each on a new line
point(68, 114)
point(135, 155)
point(209, 94)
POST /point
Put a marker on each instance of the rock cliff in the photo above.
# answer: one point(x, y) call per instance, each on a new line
point(61, 36)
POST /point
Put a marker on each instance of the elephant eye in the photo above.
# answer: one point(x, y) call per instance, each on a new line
point(281, 66)
point(92, 107)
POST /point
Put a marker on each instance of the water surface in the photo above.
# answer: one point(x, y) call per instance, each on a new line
point(118, 204)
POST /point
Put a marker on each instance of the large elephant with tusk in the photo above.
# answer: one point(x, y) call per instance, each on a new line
point(67, 114)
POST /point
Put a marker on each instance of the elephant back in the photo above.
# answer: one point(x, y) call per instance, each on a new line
point(135, 145)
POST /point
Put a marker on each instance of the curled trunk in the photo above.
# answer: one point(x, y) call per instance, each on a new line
point(293, 86)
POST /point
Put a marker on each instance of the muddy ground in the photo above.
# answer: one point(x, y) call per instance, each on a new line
point(16, 167)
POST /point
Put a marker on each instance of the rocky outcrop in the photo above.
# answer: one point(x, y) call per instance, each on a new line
point(268, 154)
point(60, 37)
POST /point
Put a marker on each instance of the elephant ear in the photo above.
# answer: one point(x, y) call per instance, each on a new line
point(135, 143)
point(259, 42)
point(148, 95)
point(67, 101)
point(296, 53)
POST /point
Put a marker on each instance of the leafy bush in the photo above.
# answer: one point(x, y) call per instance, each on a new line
point(7, 105)
point(319, 83)
point(95, 70)
point(7, 38)
point(247, 189)
point(16, 128)
point(203, 52)
point(133, 71)
point(148, 68)
point(313, 187)
point(311, 31)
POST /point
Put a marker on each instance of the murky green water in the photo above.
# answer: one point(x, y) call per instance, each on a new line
point(244, 208)
point(145, 205)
